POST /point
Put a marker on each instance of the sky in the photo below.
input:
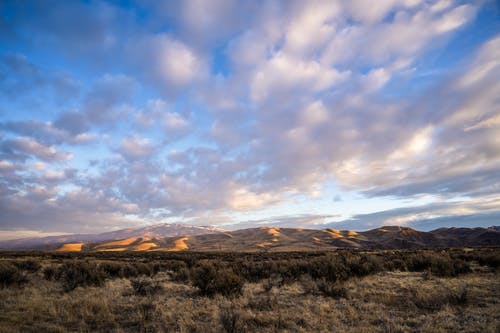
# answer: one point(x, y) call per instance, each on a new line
point(234, 113)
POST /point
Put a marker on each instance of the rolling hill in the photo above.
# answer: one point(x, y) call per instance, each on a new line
point(138, 235)
point(178, 237)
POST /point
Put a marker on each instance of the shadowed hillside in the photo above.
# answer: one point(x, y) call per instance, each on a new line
point(184, 238)
point(124, 238)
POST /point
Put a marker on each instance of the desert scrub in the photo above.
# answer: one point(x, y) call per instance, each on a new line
point(436, 298)
point(112, 269)
point(326, 288)
point(29, 265)
point(49, 273)
point(438, 264)
point(181, 275)
point(146, 286)
point(80, 274)
point(211, 280)
point(492, 260)
point(231, 317)
point(392, 301)
point(10, 275)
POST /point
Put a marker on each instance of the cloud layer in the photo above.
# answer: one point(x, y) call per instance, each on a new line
point(116, 116)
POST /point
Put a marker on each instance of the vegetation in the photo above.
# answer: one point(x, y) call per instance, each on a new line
point(10, 275)
point(146, 286)
point(213, 279)
point(401, 291)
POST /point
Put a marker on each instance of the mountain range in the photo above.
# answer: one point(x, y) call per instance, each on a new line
point(179, 237)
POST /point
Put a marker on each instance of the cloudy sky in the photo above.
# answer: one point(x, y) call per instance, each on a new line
point(350, 114)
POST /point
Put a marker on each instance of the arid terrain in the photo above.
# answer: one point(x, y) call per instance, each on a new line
point(445, 290)
point(179, 237)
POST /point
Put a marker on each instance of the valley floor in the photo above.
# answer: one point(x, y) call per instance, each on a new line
point(389, 301)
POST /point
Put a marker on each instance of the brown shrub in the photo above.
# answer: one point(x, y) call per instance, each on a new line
point(230, 316)
point(332, 289)
point(436, 298)
point(211, 280)
point(49, 273)
point(29, 265)
point(145, 286)
point(10, 275)
point(78, 273)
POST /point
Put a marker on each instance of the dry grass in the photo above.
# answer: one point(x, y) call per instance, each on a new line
point(384, 302)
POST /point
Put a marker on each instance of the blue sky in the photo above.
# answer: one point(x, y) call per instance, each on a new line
point(239, 114)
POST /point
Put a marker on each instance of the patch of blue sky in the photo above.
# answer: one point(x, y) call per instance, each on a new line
point(85, 158)
point(457, 49)
point(220, 61)
point(335, 203)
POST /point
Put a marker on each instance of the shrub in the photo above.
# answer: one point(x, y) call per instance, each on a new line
point(211, 280)
point(112, 269)
point(10, 275)
point(30, 265)
point(275, 280)
point(397, 265)
point(147, 309)
point(146, 286)
point(75, 274)
point(435, 299)
point(128, 271)
point(445, 266)
point(363, 265)
point(231, 319)
point(182, 275)
point(263, 303)
point(49, 273)
point(417, 262)
point(173, 265)
point(492, 260)
point(144, 269)
point(329, 289)
point(330, 267)
point(309, 285)
point(441, 265)
point(255, 270)
point(461, 267)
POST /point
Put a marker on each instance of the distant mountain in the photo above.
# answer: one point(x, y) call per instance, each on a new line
point(289, 239)
point(155, 231)
point(177, 237)
point(466, 236)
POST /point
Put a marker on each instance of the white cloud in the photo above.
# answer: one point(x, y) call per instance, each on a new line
point(311, 25)
point(283, 75)
point(158, 113)
point(136, 147)
point(454, 19)
point(169, 61)
point(482, 211)
point(173, 121)
point(303, 101)
point(376, 11)
point(419, 143)
point(244, 199)
point(176, 63)
point(41, 151)
point(407, 35)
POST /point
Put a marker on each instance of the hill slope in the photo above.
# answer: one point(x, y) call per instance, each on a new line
point(177, 237)
point(288, 239)
point(155, 231)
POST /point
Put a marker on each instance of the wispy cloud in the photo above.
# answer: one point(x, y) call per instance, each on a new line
point(121, 114)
